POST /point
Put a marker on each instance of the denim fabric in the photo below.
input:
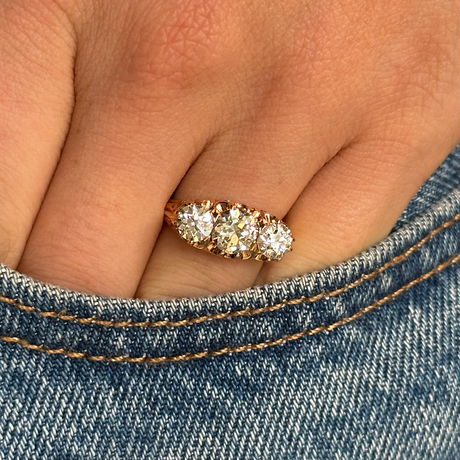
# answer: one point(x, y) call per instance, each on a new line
point(357, 361)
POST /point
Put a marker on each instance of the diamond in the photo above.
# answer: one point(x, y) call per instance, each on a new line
point(194, 222)
point(274, 240)
point(235, 230)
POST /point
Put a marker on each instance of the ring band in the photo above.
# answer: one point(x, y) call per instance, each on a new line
point(229, 229)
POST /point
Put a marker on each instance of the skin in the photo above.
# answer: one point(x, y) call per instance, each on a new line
point(329, 114)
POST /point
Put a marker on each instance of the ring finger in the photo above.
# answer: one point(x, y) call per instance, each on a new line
point(262, 164)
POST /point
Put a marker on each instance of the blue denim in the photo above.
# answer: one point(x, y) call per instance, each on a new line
point(357, 361)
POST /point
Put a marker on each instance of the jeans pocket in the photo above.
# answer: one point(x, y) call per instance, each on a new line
point(357, 361)
point(54, 320)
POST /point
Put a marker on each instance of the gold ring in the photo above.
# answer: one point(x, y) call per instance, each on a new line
point(228, 229)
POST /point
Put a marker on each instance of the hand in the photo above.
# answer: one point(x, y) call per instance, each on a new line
point(329, 114)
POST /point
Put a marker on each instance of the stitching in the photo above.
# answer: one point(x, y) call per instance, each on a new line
point(62, 315)
point(227, 350)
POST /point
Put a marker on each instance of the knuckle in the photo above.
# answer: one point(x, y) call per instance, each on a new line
point(186, 45)
point(32, 32)
point(32, 15)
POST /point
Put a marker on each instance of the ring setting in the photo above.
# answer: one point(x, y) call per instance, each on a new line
point(229, 229)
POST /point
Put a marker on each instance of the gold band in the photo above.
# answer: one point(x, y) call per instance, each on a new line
point(229, 229)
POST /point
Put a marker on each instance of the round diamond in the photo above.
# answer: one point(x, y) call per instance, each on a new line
point(194, 222)
point(235, 230)
point(274, 240)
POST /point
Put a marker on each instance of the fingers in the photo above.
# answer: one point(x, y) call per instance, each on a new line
point(143, 112)
point(147, 100)
point(103, 211)
point(263, 158)
point(160, 88)
point(353, 202)
point(355, 199)
point(35, 111)
point(259, 166)
point(128, 147)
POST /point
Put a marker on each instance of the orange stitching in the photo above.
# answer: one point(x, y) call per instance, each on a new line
point(245, 312)
point(227, 350)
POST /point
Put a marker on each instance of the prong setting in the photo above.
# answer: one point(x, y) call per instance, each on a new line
point(231, 230)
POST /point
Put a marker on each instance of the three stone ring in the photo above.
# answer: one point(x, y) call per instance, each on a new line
point(228, 229)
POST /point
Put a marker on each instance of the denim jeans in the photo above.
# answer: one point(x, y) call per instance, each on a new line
point(357, 361)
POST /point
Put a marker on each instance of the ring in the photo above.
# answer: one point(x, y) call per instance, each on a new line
point(228, 229)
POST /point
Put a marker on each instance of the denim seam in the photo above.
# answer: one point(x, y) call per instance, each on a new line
point(62, 315)
point(227, 350)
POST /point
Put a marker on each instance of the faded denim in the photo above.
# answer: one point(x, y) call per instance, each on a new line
point(357, 361)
